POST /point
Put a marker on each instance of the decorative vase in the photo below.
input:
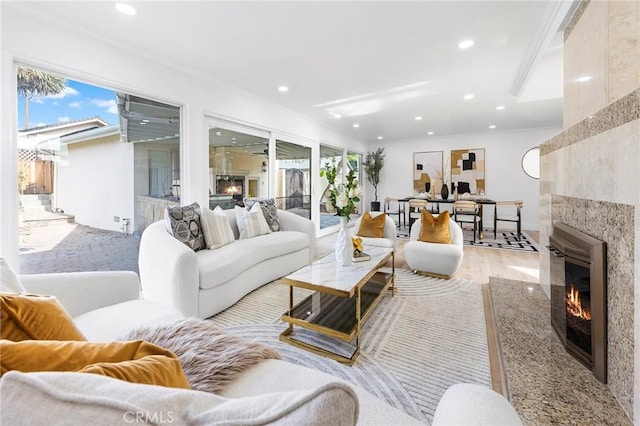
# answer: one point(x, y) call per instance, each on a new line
point(444, 193)
point(344, 246)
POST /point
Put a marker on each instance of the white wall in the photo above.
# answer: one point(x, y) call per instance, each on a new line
point(23, 40)
point(505, 179)
point(95, 183)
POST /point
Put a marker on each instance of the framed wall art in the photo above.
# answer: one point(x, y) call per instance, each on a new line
point(467, 170)
point(427, 168)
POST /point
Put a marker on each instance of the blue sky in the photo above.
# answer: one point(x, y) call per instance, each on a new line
point(79, 100)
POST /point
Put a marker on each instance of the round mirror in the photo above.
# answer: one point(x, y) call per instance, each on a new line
point(531, 162)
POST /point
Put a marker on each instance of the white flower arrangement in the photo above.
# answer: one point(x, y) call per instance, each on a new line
point(341, 199)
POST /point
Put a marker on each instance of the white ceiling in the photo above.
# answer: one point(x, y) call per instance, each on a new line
point(378, 64)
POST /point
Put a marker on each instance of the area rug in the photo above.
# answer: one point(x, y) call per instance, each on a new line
point(506, 240)
point(415, 345)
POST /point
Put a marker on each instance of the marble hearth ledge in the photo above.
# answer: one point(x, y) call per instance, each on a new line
point(547, 385)
point(618, 113)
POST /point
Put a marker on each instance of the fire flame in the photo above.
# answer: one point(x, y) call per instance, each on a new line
point(574, 305)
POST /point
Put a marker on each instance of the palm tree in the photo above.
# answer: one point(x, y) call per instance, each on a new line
point(33, 83)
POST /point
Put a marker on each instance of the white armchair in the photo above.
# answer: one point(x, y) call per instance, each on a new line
point(440, 260)
point(389, 233)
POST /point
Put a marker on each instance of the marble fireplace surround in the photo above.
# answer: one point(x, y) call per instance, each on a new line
point(590, 180)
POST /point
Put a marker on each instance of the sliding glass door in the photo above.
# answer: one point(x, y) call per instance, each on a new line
point(293, 178)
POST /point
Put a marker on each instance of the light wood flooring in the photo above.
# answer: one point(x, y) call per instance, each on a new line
point(481, 263)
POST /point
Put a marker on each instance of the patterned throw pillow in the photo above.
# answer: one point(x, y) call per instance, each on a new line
point(184, 224)
point(216, 227)
point(255, 223)
point(269, 210)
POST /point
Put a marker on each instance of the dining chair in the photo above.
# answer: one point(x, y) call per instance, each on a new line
point(415, 206)
point(467, 211)
point(392, 207)
point(508, 211)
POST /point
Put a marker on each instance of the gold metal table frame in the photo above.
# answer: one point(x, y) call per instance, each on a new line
point(373, 285)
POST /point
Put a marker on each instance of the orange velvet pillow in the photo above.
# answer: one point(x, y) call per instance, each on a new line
point(435, 229)
point(135, 361)
point(37, 317)
point(372, 227)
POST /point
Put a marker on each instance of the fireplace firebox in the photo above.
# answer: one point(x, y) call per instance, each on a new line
point(579, 296)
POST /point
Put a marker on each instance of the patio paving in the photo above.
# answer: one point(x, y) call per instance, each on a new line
point(69, 247)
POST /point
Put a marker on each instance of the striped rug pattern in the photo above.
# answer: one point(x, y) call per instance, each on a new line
point(415, 345)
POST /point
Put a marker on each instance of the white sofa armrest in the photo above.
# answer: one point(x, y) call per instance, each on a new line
point(292, 222)
point(81, 292)
point(168, 270)
point(474, 405)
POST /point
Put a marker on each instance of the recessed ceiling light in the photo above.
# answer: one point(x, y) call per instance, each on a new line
point(218, 133)
point(468, 96)
point(418, 118)
point(429, 133)
point(283, 89)
point(336, 115)
point(465, 44)
point(380, 138)
point(233, 139)
point(583, 78)
point(493, 126)
point(143, 122)
point(126, 9)
point(356, 125)
point(500, 107)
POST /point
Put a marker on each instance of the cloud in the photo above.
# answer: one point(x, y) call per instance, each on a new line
point(63, 119)
point(68, 91)
point(109, 104)
point(37, 101)
point(75, 105)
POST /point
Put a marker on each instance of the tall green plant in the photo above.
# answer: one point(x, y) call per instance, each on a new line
point(33, 83)
point(373, 163)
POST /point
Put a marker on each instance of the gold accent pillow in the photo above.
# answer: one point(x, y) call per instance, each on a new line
point(372, 227)
point(135, 361)
point(35, 317)
point(435, 229)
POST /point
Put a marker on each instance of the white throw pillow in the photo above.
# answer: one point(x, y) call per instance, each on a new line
point(82, 398)
point(9, 283)
point(216, 227)
point(255, 223)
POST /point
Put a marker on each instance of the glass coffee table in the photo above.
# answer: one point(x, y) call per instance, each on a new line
point(344, 298)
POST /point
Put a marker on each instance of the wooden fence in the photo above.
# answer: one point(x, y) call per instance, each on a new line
point(35, 177)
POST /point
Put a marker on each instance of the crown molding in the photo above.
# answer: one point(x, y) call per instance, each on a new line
point(553, 20)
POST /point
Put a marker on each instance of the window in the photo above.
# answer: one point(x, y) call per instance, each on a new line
point(95, 166)
point(238, 165)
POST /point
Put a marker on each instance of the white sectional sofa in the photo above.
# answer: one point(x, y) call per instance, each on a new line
point(107, 305)
point(203, 283)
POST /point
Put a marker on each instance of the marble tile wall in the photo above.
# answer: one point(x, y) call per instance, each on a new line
point(590, 173)
point(602, 41)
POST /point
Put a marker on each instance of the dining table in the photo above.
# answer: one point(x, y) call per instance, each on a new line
point(482, 201)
